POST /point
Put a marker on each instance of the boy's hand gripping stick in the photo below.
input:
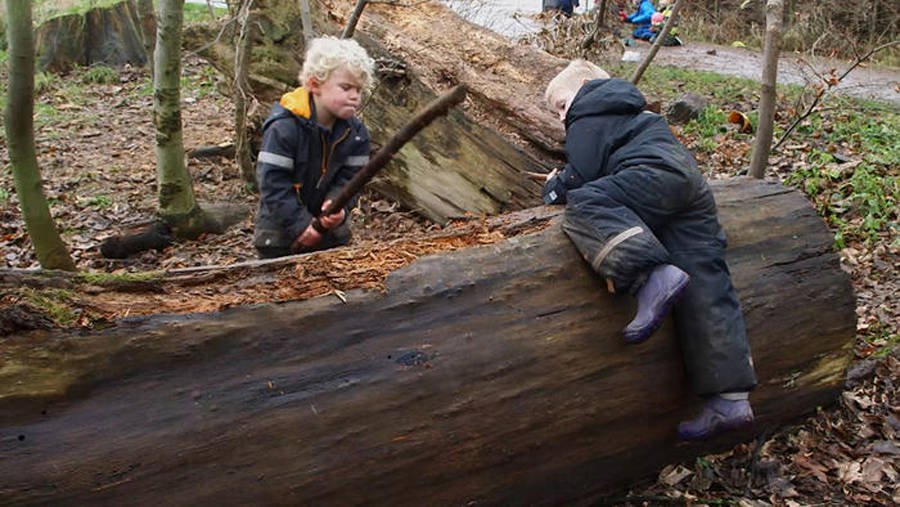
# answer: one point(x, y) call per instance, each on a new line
point(437, 107)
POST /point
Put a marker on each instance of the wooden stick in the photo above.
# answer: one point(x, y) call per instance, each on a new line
point(437, 107)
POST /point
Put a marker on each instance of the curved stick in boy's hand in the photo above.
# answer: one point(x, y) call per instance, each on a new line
point(437, 107)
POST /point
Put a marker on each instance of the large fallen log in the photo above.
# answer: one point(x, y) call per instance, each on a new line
point(492, 375)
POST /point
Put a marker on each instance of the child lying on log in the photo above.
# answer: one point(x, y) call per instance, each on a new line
point(641, 213)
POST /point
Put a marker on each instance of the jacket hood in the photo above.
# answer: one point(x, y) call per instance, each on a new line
point(606, 96)
point(298, 102)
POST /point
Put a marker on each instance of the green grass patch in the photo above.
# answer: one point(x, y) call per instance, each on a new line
point(107, 278)
point(882, 338)
point(98, 202)
point(860, 198)
point(45, 81)
point(55, 303)
point(99, 74)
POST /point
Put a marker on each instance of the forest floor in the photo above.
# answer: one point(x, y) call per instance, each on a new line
point(95, 149)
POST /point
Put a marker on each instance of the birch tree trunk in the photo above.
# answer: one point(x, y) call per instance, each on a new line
point(760, 158)
point(49, 248)
point(177, 205)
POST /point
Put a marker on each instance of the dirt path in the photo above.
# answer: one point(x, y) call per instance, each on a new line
point(868, 82)
point(514, 18)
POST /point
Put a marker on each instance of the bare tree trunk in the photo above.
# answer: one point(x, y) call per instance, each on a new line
point(244, 101)
point(306, 20)
point(763, 144)
point(49, 248)
point(638, 72)
point(354, 19)
point(177, 205)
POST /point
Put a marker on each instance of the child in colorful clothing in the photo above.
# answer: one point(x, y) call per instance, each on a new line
point(639, 210)
point(312, 145)
point(641, 19)
point(661, 18)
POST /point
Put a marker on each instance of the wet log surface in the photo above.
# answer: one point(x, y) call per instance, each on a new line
point(494, 375)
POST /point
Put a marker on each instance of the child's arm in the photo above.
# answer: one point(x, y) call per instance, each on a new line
point(276, 170)
point(587, 157)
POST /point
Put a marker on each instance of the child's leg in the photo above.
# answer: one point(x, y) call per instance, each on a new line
point(611, 221)
point(614, 239)
point(710, 324)
point(708, 316)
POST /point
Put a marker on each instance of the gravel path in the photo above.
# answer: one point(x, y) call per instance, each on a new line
point(868, 82)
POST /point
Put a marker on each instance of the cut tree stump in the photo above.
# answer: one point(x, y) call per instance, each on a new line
point(111, 35)
point(488, 375)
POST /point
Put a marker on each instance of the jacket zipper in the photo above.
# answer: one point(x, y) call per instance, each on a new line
point(328, 152)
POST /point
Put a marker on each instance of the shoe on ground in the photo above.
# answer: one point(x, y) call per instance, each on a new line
point(654, 299)
point(718, 416)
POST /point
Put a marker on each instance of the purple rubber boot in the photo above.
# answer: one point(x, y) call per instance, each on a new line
point(654, 299)
point(718, 415)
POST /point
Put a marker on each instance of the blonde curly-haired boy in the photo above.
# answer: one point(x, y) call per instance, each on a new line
point(312, 145)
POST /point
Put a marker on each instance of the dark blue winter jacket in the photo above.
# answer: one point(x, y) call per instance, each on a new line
point(300, 165)
point(607, 131)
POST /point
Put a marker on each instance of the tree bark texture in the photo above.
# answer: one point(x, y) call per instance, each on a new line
point(112, 35)
point(493, 375)
point(19, 126)
point(177, 205)
point(764, 131)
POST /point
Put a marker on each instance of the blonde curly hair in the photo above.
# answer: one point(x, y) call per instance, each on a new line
point(570, 79)
point(327, 54)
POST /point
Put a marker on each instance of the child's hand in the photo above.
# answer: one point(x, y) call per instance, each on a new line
point(309, 238)
point(333, 220)
point(622, 15)
point(551, 174)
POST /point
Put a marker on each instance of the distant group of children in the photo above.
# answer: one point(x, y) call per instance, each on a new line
point(647, 18)
point(637, 208)
point(649, 21)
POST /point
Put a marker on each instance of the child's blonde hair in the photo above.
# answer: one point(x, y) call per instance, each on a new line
point(327, 54)
point(573, 76)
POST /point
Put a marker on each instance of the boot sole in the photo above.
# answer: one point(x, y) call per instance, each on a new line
point(724, 427)
point(642, 336)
